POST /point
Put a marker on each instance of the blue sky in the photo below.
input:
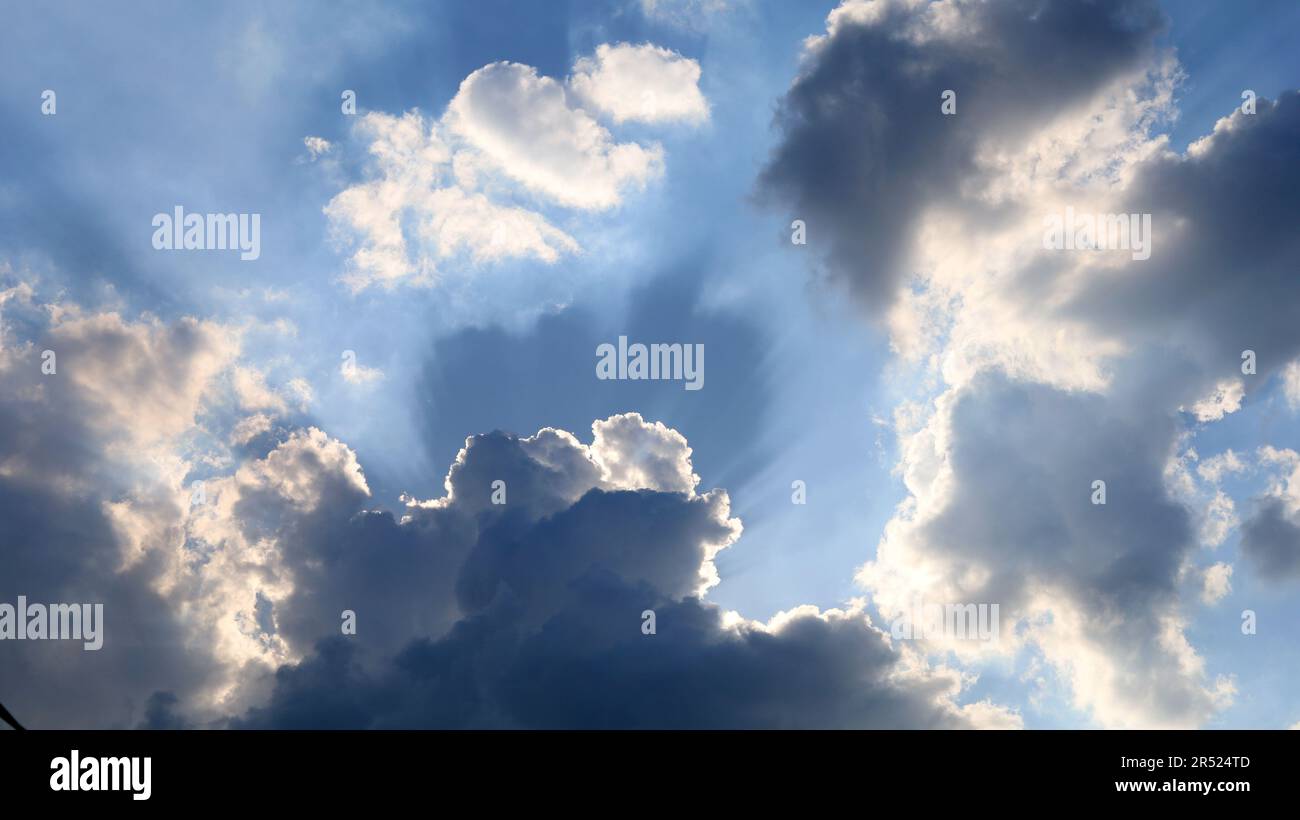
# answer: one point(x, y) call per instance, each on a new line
point(209, 107)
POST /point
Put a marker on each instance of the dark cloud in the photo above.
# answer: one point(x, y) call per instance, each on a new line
point(1222, 274)
point(549, 632)
point(1025, 457)
point(1270, 539)
point(554, 366)
point(468, 613)
point(865, 148)
point(1094, 586)
point(1001, 474)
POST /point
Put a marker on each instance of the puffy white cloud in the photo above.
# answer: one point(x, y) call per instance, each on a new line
point(640, 82)
point(1225, 398)
point(510, 145)
point(524, 125)
point(1217, 582)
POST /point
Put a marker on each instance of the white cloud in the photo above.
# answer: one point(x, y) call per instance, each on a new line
point(644, 83)
point(250, 427)
point(253, 393)
point(143, 379)
point(635, 454)
point(301, 390)
point(1291, 384)
point(485, 178)
point(354, 373)
point(524, 124)
point(1214, 469)
point(316, 146)
point(1225, 398)
point(491, 232)
point(1217, 582)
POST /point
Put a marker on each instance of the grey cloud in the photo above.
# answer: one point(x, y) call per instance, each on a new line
point(548, 625)
point(1270, 539)
point(865, 148)
point(1024, 458)
point(866, 154)
point(1019, 529)
point(1222, 275)
point(58, 541)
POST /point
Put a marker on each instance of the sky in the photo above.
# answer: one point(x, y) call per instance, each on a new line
point(370, 475)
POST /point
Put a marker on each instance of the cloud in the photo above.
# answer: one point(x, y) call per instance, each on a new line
point(640, 83)
point(525, 127)
point(485, 179)
point(253, 393)
point(543, 626)
point(1043, 371)
point(251, 427)
point(92, 495)
point(865, 150)
point(1291, 384)
point(411, 184)
point(1218, 583)
point(354, 373)
point(316, 146)
point(591, 668)
point(1271, 539)
point(1001, 479)
point(225, 608)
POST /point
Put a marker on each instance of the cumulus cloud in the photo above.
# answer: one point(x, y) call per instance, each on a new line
point(411, 183)
point(512, 146)
point(1002, 513)
point(226, 608)
point(1041, 373)
point(866, 151)
point(1050, 370)
point(92, 500)
point(524, 125)
point(640, 82)
point(542, 601)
